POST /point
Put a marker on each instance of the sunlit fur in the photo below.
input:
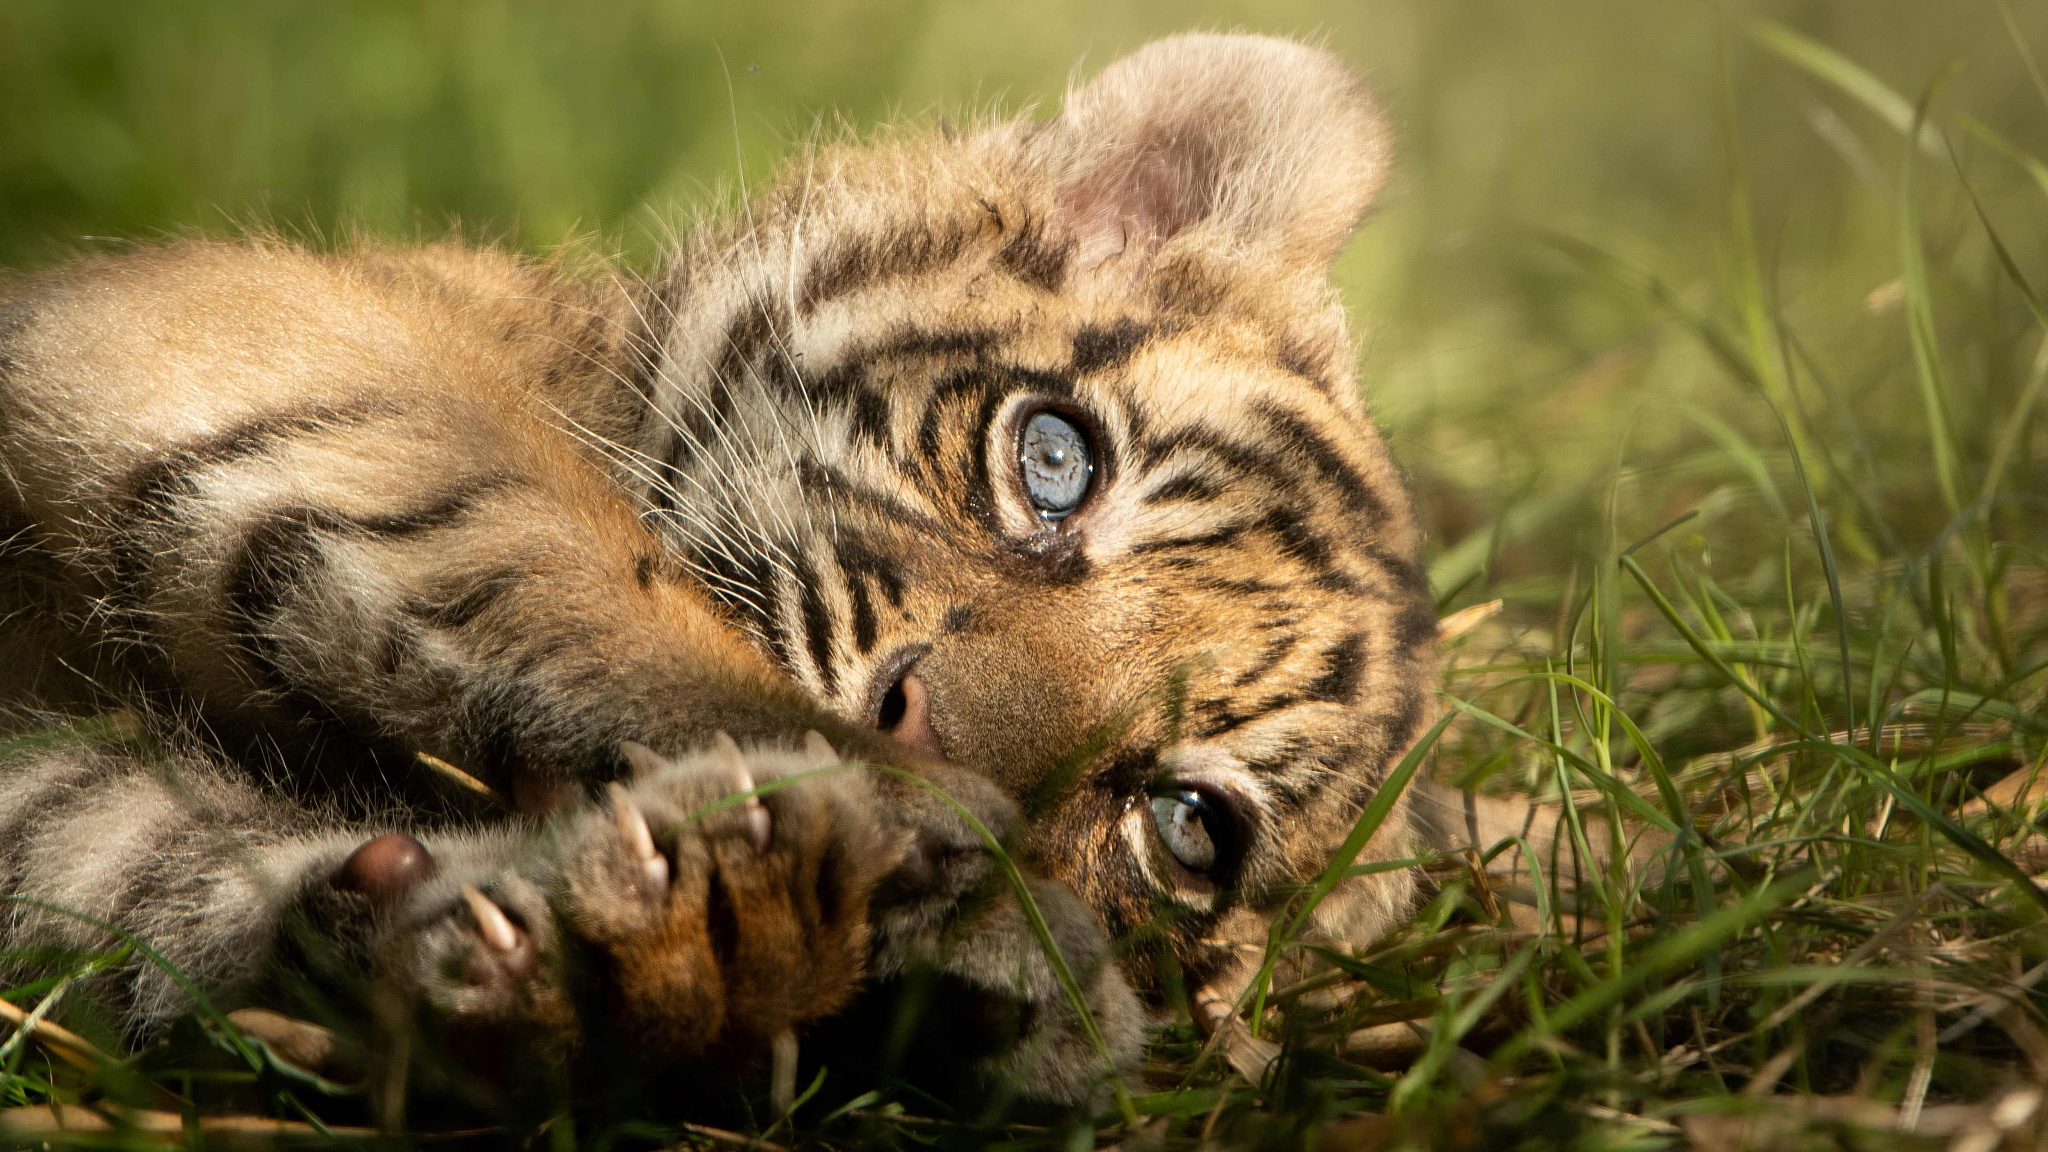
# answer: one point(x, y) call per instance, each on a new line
point(378, 502)
point(1237, 603)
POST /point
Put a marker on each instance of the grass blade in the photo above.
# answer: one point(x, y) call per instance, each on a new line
point(1847, 77)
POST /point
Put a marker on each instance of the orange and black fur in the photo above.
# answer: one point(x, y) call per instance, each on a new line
point(1026, 459)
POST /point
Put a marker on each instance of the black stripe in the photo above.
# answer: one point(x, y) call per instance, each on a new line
point(1153, 451)
point(1276, 649)
point(1303, 544)
point(850, 383)
point(449, 508)
point(761, 573)
point(746, 335)
point(1222, 718)
point(861, 565)
point(155, 490)
point(1136, 416)
point(847, 385)
point(1186, 487)
point(906, 341)
point(1221, 536)
point(1409, 575)
point(1036, 258)
point(154, 487)
point(871, 417)
point(863, 615)
point(460, 603)
point(1097, 347)
point(668, 478)
point(1288, 783)
point(1416, 626)
point(814, 477)
point(1058, 385)
point(280, 554)
point(275, 559)
point(817, 624)
point(949, 387)
point(1309, 444)
point(1285, 782)
point(68, 781)
point(1400, 727)
point(780, 374)
point(1343, 665)
point(1236, 586)
point(747, 586)
point(981, 495)
point(857, 262)
point(750, 329)
point(1301, 359)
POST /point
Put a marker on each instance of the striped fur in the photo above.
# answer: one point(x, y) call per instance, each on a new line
point(346, 508)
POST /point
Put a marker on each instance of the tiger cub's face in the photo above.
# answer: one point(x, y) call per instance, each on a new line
point(1038, 446)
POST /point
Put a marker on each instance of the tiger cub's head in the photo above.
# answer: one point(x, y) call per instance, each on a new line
point(1037, 444)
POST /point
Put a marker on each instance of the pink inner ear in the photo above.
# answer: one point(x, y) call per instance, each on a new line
point(1143, 194)
point(1267, 144)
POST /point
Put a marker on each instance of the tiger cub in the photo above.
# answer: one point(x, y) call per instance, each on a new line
point(1023, 461)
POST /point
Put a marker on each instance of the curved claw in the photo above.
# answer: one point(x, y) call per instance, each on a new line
point(492, 924)
point(510, 947)
point(782, 1075)
point(759, 823)
point(819, 750)
point(639, 839)
point(645, 761)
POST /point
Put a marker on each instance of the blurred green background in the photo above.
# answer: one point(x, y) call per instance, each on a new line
point(1543, 408)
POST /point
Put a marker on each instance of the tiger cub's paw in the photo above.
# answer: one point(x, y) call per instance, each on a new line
point(716, 918)
point(710, 904)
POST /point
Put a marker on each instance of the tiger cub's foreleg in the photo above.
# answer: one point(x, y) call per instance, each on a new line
point(180, 854)
point(487, 961)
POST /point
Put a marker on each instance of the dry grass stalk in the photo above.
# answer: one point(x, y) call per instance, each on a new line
point(51, 1122)
point(67, 1045)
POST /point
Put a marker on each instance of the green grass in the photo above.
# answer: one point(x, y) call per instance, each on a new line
point(1716, 350)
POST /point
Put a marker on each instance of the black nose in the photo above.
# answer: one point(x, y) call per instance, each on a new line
point(905, 713)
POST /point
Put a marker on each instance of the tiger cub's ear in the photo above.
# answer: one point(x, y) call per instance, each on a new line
point(1262, 143)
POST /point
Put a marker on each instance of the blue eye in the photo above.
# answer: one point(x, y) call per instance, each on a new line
point(1184, 820)
point(1203, 828)
point(1057, 462)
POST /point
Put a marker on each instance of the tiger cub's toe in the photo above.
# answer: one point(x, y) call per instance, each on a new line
point(724, 892)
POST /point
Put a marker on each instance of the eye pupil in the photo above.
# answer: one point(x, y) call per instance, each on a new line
point(1184, 823)
point(1057, 464)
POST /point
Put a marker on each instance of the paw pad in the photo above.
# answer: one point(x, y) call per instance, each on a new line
point(386, 868)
